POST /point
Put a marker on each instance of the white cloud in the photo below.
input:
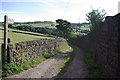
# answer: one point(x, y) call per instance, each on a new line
point(118, 7)
point(73, 14)
point(0, 11)
point(10, 12)
point(32, 0)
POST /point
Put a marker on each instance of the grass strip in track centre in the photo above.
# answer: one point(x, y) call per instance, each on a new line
point(66, 62)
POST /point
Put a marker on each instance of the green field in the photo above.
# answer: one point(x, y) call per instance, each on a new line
point(42, 24)
point(84, 30)
point(86, 27)
point(37, 24)
point(19, 36)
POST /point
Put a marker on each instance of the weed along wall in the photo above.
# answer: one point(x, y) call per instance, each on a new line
point(24, 51)
point(103, 43)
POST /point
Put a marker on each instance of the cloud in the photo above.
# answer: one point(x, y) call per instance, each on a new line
point(10, 12)
point(16, 15)
point(0, 11)
point(32, 0)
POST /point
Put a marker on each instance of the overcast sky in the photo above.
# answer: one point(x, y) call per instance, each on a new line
point(50, 10)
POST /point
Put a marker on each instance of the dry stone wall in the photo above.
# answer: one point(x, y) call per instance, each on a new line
point(103, 42)
point(24, 51)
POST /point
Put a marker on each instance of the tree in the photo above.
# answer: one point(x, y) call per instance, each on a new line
point(64, 28)
point(95, 17)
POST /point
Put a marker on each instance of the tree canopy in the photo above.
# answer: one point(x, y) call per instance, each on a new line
point(95, 17)
point(64, 28)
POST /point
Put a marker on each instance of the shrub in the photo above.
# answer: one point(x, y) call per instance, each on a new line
point(50, 54)
point(10, 69)
point(35, 29)
point(46, 55)
point(26, 66)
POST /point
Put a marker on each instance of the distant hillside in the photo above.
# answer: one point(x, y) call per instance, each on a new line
point(33, 22)
point(48, 24)
point(79, 24)
point(83, 24)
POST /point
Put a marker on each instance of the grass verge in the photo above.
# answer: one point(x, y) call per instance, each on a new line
point(66, 62)
point(64, 47)
point(94, 71)
point(10, 68)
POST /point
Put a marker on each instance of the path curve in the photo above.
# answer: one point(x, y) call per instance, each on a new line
point(50, 68)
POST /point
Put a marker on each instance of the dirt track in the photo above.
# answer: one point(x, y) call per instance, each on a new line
point(77, 68)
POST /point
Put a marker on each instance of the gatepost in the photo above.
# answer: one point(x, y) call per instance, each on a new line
point(4, 53)
point(4, 50)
